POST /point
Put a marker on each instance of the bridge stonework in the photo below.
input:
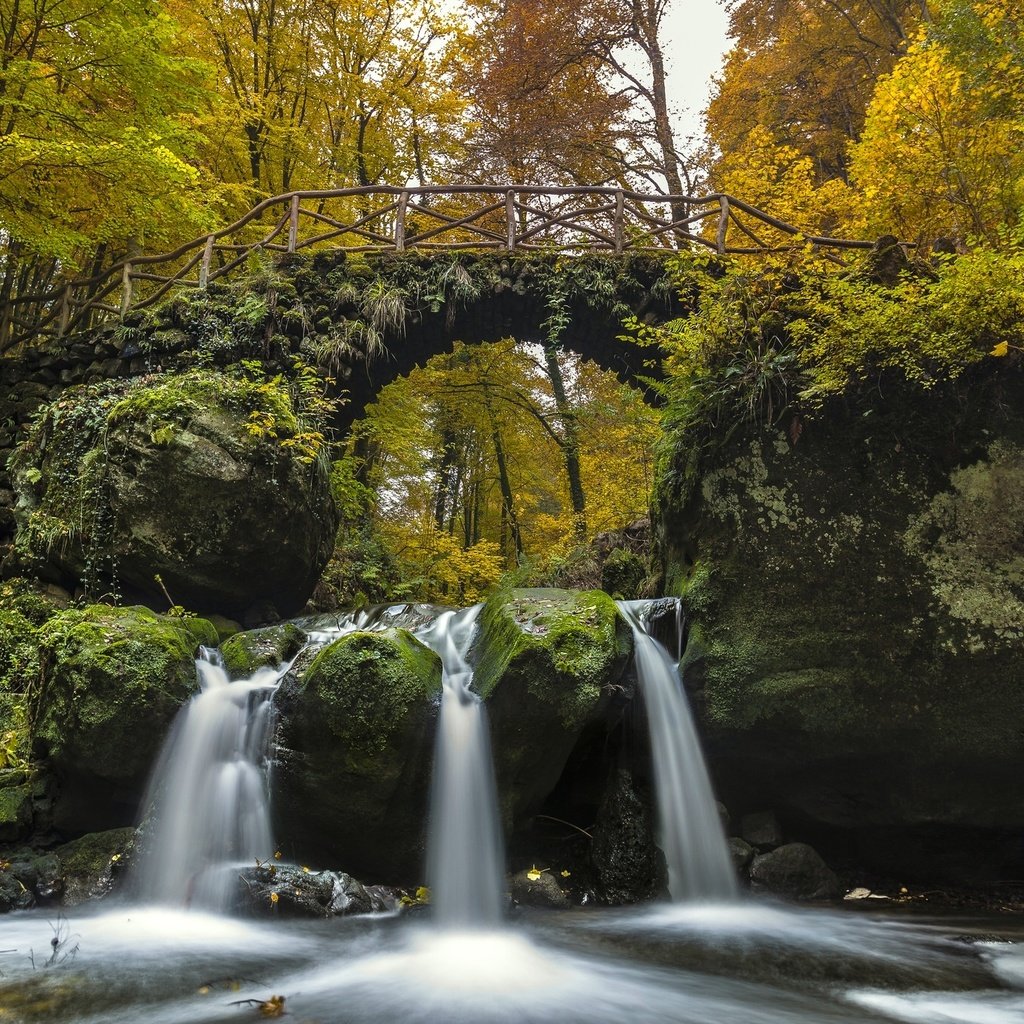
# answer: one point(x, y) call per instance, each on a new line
point(300, 304)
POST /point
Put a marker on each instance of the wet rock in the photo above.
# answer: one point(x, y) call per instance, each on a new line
point(795, 871)
point(292, 891)
point(761, 829)
point(356, 746)
point(546, 663)
point(93, 865)
point(15, 812)
point(628, 865)
point(533, 888)
point(114, 679)
point(244, 653)
point(854, 627)
point(742, 854)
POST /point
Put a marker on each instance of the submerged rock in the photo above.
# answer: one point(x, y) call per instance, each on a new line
point(200, 485)
point(356, 752)
point(796, 871)
point(112, 681)
point(546, 663)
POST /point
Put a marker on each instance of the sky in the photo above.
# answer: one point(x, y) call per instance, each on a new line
point(694, 43)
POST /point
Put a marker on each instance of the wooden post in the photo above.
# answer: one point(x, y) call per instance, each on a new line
point(65, 311)
point(619, 222)
point(723, 224)
point(293, 225)
point(204, 267)
point(510, 218)
point(403, 202)
point(126, 289)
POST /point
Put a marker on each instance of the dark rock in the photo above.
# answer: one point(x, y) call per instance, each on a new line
point(795, 871)
point(535, 888)
point(742, 854)
point(854, 626)
point(626, 860)
point(193, 478)
point(93, 865)
point(546, 662)
point(887, 260)
point(356, 745)
point(761, 830)
point(114, 679)
point(291, 891)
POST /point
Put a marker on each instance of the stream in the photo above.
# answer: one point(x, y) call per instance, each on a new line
point(753, 962)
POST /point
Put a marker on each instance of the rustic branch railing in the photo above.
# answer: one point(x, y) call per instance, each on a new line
point(431, 218)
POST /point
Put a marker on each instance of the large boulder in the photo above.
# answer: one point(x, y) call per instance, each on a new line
point(356, 752)
point(854, 587)
point(202, 486)
point(112, 680)
point(546, 663)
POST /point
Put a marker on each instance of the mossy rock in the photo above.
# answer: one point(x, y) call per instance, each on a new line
point(113, 680)
point(92, 865)
point(244, 653)
point(19, 667)
point(201, 485)
point(622, 574)
point(356, 738)
point(855, 604)
point(546, 660)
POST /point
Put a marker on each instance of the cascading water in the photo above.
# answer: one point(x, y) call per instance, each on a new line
point(465, 857)
point(690, 830)
point(208, 796)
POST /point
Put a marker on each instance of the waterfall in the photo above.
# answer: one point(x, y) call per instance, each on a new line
point(690, 830)
point(208, 795)
point(465, 856)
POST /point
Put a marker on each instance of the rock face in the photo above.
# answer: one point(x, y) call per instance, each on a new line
point(855, 598)
point(203, 479)
point(357, 744)
point(546, 660)
point(112, 681)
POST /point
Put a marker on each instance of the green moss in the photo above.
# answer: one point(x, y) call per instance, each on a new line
point(113, 678)
point(366, 685)
point(244, 653)
point(15, 812)
point(563, 646)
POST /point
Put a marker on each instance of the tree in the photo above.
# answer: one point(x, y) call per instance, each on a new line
point(804, 71)
point(941, 150)
point(97, 137)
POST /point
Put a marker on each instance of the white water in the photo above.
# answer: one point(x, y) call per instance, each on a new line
point(208, 798)
point(690, 831)
point(465, 855)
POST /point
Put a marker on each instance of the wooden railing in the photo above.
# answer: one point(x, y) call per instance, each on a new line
point(432, 218)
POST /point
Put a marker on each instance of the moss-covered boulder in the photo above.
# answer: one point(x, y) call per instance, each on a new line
point(244, 653)
point(854, 586)
point(357, 737)
point(92, 865)
point(112, 680)
point(546, 660)
point(204, 486)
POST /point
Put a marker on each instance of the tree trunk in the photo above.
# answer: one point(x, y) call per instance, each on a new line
point(570, 444)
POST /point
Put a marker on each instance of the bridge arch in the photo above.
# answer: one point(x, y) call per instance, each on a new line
point(576, 302)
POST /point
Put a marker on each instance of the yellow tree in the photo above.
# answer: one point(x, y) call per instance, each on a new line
point(804, 70)
point(315, 93)
point(941, 152)
point(97, 137)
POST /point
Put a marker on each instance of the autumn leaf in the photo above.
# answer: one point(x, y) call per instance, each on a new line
point(273, 1007)
point(534, 873)
point(1001, 349)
